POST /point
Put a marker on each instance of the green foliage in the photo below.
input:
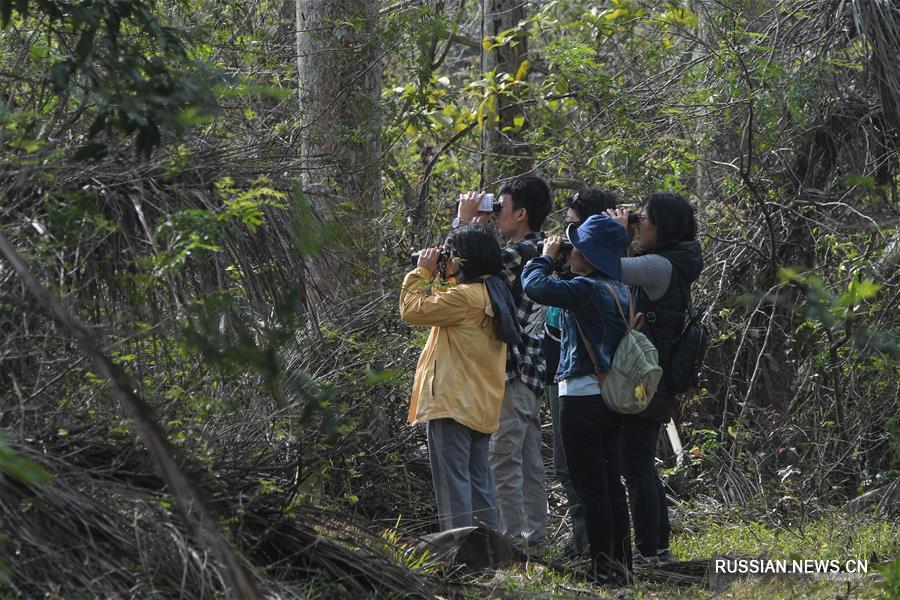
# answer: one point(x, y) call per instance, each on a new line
point(27, 472)
point(129, 70)
point(890, 587)
point(195, 231)
point(843, 308)
point(826, 538)
point(13, 465)
point(411, 555)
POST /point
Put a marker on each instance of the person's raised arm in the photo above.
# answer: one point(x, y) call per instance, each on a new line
point(421, 307)
point(650, 272)
point(543, 289)
point(467, 211)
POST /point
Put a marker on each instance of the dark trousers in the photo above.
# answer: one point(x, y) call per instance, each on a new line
point(649, 508)
point(561, 466)
point(592, 437)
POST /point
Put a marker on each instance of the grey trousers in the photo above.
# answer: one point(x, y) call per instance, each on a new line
point(461, 474)
point(518, 466)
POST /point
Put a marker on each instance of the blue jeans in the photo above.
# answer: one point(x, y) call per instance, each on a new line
point(576, 508)
point(461, 474)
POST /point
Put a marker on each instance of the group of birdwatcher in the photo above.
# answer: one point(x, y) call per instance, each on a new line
point(582, 320)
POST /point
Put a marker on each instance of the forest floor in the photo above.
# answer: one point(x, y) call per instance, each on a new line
point(831, 535)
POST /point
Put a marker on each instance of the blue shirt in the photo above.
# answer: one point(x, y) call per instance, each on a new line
point(587, 299)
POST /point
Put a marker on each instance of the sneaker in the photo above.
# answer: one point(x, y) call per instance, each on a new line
point(639, 560)
point(665, 556)
point(618, 582)
point(571, 551)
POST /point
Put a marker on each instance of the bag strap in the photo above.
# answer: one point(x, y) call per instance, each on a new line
point(634, 320)
point(632, 323)
point(601, 377)
point(684, 286)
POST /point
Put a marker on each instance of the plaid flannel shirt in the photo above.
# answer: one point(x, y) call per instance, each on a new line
point(526, 360)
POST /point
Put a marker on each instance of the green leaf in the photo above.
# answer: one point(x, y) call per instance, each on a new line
point(522, 71)
point(786, 274)
point(60, 74)
point(13, 465)
point(85, 44)
point(519, 121)
point(859, 180)
point(857, 291)
point(682, 16)
point(442, 119)
point(389, 376)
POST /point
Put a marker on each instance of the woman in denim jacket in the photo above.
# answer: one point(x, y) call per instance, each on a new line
point(591, 433)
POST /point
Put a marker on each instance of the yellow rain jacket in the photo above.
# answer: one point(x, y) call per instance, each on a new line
point(462, 370)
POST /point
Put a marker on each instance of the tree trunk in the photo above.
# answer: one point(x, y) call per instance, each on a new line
point(339, 88)
point(339, 84)
point(504, 153)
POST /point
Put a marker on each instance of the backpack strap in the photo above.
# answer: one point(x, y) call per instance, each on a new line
point(601, 377)
point(632, 323)
point(634, 320)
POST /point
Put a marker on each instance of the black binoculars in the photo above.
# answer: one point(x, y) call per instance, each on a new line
point(634, 218)
point(564, 248)
point(443, 257)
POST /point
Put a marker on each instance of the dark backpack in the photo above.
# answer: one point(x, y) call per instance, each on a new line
point(682, 370)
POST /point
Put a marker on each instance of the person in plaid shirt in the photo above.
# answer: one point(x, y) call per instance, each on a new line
point(516, 446)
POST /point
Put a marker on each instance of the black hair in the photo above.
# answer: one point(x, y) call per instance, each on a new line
point(673, 216)
point(592, 201)
point(478, 251)
point(531, 193)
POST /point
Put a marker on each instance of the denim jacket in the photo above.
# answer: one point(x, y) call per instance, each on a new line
point(587, 299)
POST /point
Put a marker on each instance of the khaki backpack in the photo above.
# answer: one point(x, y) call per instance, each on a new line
point(634, 374)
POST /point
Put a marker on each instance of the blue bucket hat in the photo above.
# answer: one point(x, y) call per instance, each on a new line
point(602, 241)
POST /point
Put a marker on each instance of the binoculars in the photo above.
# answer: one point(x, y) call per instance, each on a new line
point(443, 257)
point(634, 218)
point(564, 248)
point(488, 204)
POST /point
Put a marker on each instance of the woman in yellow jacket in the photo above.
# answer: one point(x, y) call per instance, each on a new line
point(459, 381)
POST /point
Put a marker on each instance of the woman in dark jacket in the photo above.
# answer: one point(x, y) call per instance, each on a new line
point(670, 261)
point(591, 433)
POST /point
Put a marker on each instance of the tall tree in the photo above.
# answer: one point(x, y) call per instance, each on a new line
point(339, 83)
point(505, 52)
